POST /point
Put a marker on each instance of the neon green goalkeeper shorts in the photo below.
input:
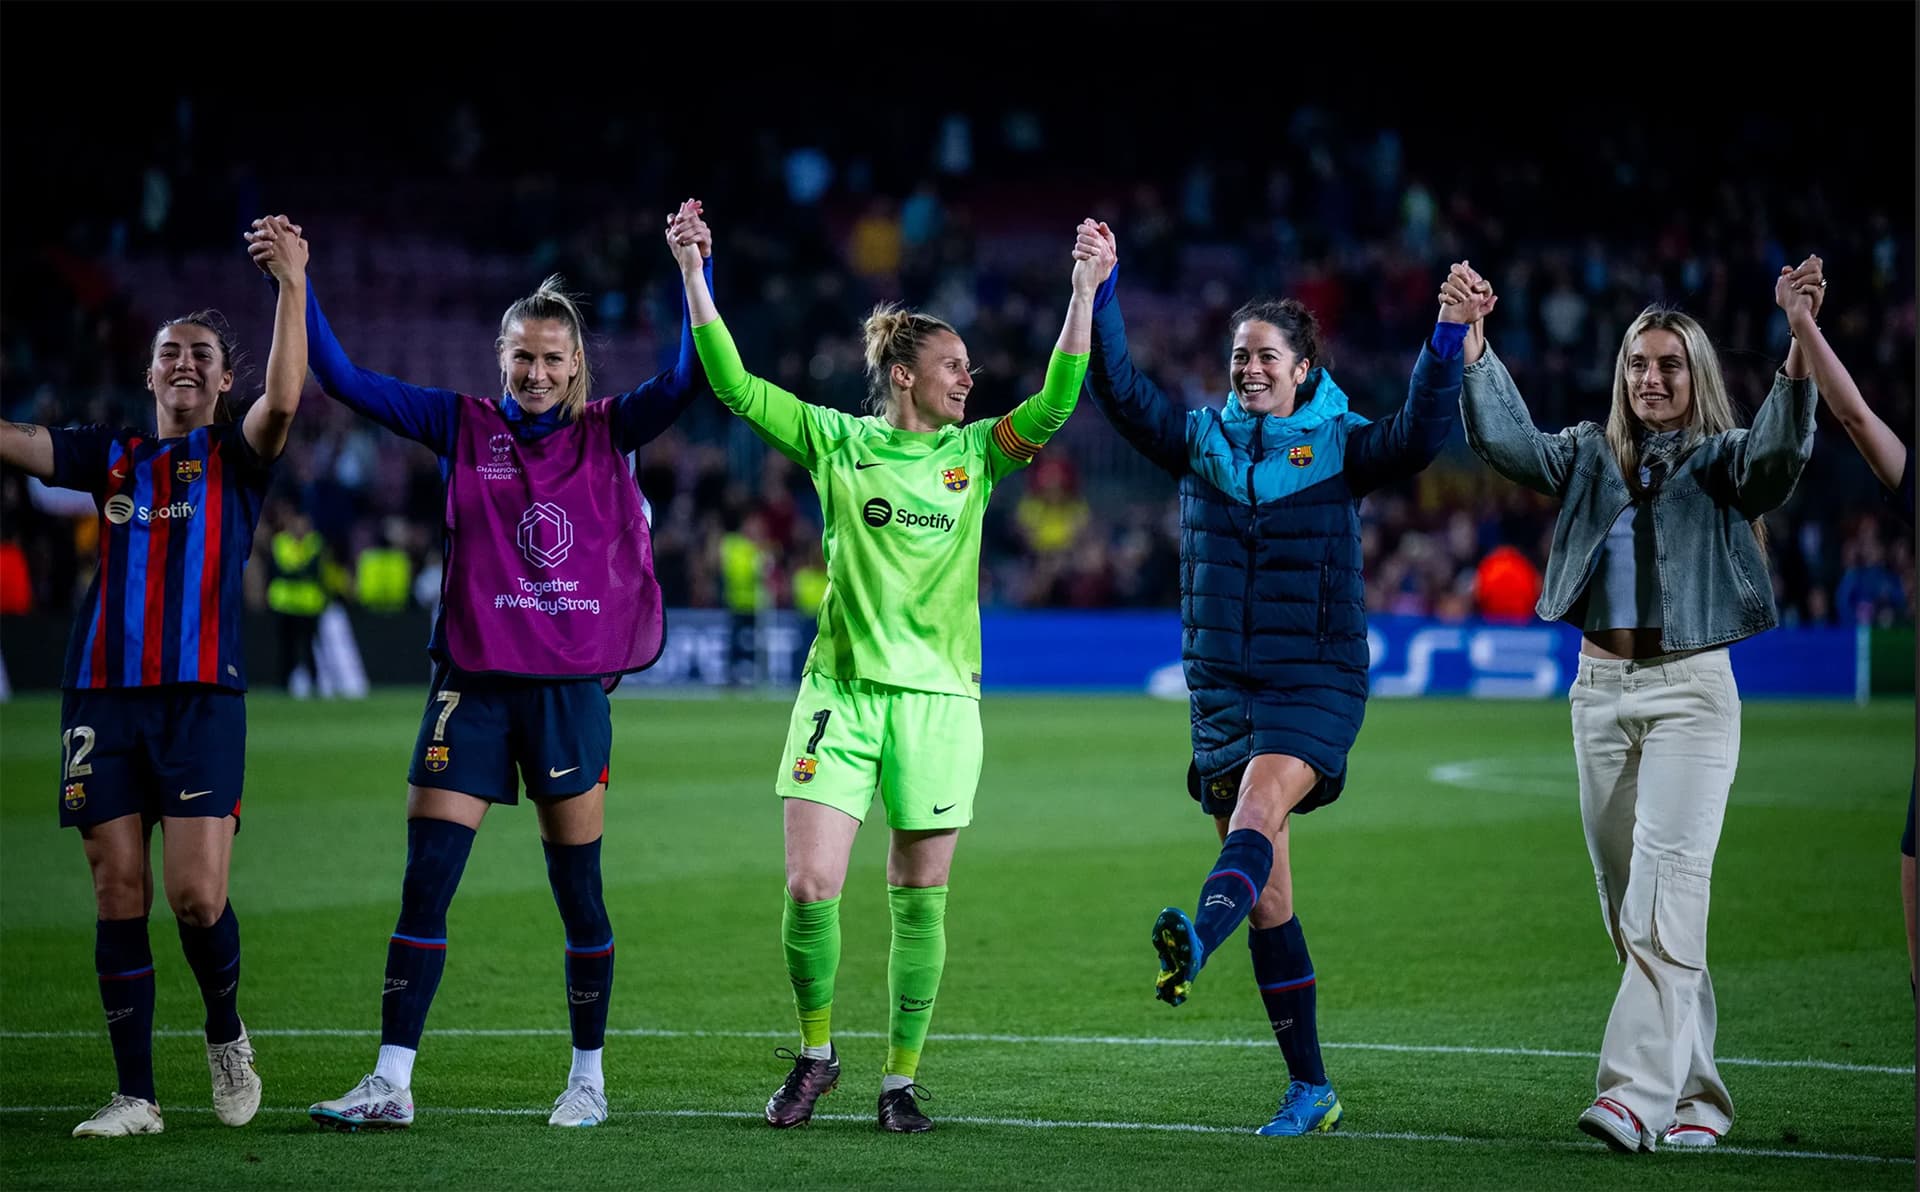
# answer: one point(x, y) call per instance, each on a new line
point(849, 738)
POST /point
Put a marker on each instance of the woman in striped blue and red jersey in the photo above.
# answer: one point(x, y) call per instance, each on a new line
point(153, 725)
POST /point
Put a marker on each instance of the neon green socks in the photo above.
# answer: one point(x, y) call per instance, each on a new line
point(810, 935)
point(914, 963)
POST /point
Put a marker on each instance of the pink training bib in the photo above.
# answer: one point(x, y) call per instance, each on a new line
point(550, 559)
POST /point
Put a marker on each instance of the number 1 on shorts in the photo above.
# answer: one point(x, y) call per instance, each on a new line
point(820, 719)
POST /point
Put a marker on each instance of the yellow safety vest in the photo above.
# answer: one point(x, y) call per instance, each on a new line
point(740, 579)
point(296, 590)
point(809, 589)
point(384, 579)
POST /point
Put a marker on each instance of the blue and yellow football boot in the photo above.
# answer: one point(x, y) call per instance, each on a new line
point(1304, 1109)
point(1181, 955)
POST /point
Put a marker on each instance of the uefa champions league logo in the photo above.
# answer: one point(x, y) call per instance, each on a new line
point(545, 535)
point(500, 466)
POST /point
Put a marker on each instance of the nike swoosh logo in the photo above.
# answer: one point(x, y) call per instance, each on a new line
point(184, 796)
point(553, 773)
point(915, 1009)
point(943, 810)
point(868, 463)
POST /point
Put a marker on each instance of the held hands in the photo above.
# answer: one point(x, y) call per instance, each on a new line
point(1465, 296)
point(276, 247)
point(1094, 256)
point(1800, 290)
point(689, 237)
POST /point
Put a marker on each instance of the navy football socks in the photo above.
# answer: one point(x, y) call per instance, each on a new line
point(1284, 972)
point(214, 955)
point(1228, 895)
point(124, 961)
point(574, 872)
point(417, 954)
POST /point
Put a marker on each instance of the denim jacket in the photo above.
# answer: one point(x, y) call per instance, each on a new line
point(1714, 586)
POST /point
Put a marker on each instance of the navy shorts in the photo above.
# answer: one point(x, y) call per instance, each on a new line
point(1219, 796)
point(178, 750)
point(483, 735)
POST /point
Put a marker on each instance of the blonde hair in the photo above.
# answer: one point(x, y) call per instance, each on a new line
point(1710, 412)
point(551, 301)
point(895, 335)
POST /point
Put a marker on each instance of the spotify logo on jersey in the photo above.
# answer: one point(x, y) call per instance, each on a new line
point(119, 509)
point(878, 512)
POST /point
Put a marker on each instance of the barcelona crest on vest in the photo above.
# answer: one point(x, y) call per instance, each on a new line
point(187, 471)
point(954, 478)
point(1300, 456)
point(803, 768)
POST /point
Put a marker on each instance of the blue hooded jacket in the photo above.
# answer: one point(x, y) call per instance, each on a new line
point(1272, 605)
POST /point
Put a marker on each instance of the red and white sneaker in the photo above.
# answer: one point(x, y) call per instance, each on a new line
point(1691, 1137)
point(1615, 1125)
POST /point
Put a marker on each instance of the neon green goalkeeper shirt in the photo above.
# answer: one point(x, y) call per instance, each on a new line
point(902, 512)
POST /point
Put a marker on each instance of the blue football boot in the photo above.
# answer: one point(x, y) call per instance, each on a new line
point(1304, 1109)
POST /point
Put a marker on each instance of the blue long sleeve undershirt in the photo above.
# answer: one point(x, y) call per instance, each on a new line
point(429, 416)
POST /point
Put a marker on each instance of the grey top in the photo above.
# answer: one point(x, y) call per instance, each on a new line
point(1624, 592)
point(1711, 573)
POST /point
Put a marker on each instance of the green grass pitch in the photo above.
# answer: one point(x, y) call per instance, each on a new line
point(1464, 976)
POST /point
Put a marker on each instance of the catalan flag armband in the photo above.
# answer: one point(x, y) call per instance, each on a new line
point(1012, 443)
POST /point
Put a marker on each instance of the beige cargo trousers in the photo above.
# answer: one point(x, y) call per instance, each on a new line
point(1656, 742)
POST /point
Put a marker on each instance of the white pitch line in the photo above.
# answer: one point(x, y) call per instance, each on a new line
point(1030, 1040)
point(1050, 1124)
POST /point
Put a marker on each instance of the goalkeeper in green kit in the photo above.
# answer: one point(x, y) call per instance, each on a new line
point(890, 696)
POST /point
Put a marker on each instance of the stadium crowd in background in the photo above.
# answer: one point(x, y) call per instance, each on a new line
point(1352, 220)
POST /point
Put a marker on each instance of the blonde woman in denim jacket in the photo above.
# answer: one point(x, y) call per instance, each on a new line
point(1659, 559)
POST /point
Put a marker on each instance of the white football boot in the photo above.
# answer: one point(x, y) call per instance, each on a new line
point(121, 1116)
point(374, 1104)
point(236, 1086)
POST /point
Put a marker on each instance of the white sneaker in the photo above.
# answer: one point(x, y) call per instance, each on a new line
point(1615, 1125)
point(582, 1104)
point(374, 1104)
point(236, 1086)
point(120, 1116)
point(1682, 1134)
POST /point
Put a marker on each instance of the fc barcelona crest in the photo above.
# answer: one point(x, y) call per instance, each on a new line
point(954, 478)
point(803, 768)
point(187, 471)
point(74, 795)
point(437, 757)
point(1300, 456)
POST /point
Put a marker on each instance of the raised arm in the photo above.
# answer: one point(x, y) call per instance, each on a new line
point(798, 430)
point(1414, 435)
point(28, 447)
point(421, 414)
point(283, 254)
point(1764, 462)
point(1499, 429)
point(640, 414)
point(1027, 427)
point(1131, 401)
point(1882, 449)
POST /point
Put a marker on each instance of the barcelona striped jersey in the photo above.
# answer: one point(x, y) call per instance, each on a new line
point(176, 526)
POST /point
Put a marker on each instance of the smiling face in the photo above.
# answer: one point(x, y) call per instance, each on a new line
point(935, 392)
point(537, 359)
point(1659, 379)
point(1264, 369)
point(189, 371)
